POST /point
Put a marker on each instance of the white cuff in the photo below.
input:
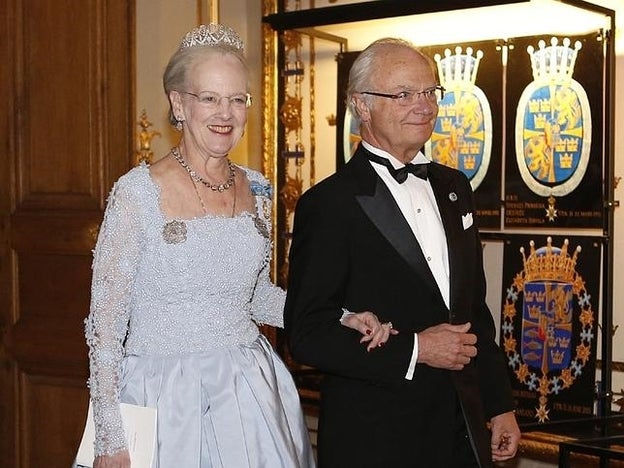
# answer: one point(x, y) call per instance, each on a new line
point(412, 364)
point(345, 313)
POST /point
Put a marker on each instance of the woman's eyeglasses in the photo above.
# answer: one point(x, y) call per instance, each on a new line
point(213, 100)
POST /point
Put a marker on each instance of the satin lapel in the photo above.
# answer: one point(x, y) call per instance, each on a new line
point(381, 208)
point(449, 206)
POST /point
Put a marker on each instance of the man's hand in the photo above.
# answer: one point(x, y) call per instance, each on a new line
point(447, 346)
point(505, 436)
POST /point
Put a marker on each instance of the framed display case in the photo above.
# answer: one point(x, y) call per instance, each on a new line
point(528, 117)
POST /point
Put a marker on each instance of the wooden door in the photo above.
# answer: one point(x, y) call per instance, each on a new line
point(66, 133)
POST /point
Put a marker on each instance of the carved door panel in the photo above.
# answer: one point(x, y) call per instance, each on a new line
point(66, 131)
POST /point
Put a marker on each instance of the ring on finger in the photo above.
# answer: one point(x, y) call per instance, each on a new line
point(389, 325)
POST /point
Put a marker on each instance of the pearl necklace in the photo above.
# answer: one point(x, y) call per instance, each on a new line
point(195, 176)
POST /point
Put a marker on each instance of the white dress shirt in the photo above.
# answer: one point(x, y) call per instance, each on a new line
point(417, 202)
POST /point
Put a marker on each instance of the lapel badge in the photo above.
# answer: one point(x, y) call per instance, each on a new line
point(453, 196)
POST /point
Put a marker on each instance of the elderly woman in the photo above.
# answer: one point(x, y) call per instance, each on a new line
point(181, 282)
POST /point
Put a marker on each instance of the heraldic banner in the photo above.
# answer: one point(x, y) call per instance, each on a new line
point(555, 90)
point(468, 131)
point(549, 324)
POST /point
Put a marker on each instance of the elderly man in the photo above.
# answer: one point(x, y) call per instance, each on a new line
point(393, 233)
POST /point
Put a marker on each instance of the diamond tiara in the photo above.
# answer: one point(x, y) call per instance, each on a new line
point(212, 34)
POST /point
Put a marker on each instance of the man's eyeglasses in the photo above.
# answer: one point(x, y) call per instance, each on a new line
point(213, 100)
point(407, 98)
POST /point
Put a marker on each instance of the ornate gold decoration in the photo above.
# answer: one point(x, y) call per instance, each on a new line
point(290, 113)
point(556, 269)
point(290, 192)
point(551, 211)
point(269, 118)
point(552, 265)
point(292, 41)
point(269, 7)
point(312, 111)
point(293, 152)
point(297, 143)
point(331, 120)
point(145, 153)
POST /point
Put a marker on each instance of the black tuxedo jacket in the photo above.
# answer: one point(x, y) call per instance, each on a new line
point(352, 248)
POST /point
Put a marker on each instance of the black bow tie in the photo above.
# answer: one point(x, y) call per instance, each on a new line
point(400, 174)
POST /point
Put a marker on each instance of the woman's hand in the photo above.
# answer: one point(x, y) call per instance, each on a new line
point(119, 459)
point(374, 332)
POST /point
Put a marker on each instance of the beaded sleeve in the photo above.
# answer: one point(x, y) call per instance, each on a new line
point(267, 304)
point(114, 265)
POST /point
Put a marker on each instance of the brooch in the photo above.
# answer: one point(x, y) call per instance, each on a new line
point(174, 232)
point(258, 189)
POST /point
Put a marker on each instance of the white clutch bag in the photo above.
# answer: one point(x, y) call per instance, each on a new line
point(139, 423)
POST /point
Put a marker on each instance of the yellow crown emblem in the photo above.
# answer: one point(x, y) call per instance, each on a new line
point(554, 63)
point(572, 144)
point(459, 69)
point(564, 342)
point(447, 124)
point(550, 263)
point(557, 356)
point(469, 162)
point(565, 161)
point(540, 105)
point(539, 121)
point(534, 312)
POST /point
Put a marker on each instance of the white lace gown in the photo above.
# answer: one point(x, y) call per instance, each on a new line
point(173, 325)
